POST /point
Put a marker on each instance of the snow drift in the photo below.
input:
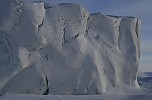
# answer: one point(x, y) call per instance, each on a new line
point(62, 49)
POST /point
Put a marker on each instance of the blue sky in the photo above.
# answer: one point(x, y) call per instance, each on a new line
point(141, 9)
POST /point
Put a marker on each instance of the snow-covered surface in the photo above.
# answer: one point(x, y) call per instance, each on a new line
point(147, 96)
point(62, 49)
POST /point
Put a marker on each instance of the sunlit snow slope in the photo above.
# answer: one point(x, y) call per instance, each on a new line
point(62, 49)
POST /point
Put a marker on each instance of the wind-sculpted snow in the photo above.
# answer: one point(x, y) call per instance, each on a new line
point(62, 49)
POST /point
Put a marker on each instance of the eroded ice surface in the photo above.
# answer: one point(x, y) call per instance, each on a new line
point(62, 49)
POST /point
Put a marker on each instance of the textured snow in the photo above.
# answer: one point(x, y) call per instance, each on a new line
point(62, 49)
point(146, 96)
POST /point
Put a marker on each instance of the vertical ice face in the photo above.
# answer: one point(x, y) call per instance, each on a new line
point(61, 49)
point(118, 41)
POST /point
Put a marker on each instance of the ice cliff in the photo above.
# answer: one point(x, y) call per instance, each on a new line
point(62, 49)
